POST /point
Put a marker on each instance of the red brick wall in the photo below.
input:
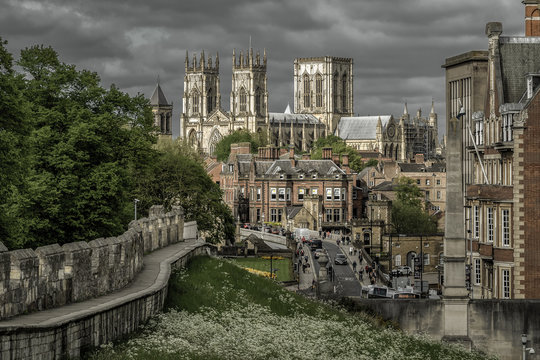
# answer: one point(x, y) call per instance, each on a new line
point(532, 27)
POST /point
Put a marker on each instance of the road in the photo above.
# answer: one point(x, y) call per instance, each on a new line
point(345, 281)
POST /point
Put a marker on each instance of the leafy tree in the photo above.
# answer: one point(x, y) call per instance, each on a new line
point(408, 214)
point(178, 177)
point(88, 145)
point(223, 148)
point(339, 146)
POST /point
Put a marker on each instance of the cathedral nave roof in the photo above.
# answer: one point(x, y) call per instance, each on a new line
point(360, 127)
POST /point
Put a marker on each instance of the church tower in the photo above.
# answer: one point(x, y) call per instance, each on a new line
point(323, 86)
point(201, 97)
point(249, 95)
point(162, 111)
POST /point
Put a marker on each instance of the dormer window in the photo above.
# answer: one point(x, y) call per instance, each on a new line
point(281, 176)
point(301, 176)
point(231, 167)
point(337, 176)
point(314, 176)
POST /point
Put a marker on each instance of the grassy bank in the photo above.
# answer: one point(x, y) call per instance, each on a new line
point(282, 265)
point(216, 310)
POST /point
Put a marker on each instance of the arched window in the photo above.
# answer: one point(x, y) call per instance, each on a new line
point(214, 139)
point(335, 91)
point(192, 138)
point(209, 101)
point(318, 91)
point(162, 117)
point(344, 93)
point(258, 95)
point(195, 102)
point(243, 100)
point(307, 92)
point(168, 123)
point(397, 260)
point(397, 152)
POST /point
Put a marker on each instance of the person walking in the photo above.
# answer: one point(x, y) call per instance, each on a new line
point(350, 250)
point(354, 266)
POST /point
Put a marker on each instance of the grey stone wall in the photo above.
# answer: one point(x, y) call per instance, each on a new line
point(495, 326)
point(55, 275)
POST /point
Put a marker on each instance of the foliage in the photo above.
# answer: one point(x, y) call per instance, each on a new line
point(283, 266)
point(177, 177)
point(223, 147)
point(408, 213)
point(339, 146)
point(219, 311)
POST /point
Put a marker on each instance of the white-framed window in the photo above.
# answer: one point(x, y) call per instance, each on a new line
point(426, 259)
point(438, 195)
point(328, 215)
point(505, 227)
point(328, 193)
point(337, 193)
point(301, 194)
point(397, 260)
point(314, 191)
point(258, 194)
point(477, 271)
point(288, 194)
point(273, 194)
point(301, 176)
point(273, 215)
point(337, 215)
point(427, 182)
point(281, 176)
point(281, 194)
point(490, 224)
point(505, 274)
point(342, 193)
point(314, 176)
point(476, 221)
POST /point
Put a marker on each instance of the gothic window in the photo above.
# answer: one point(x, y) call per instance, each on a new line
point(192, 138)
point(214, 139)
point(243, 100)
point(258, 99)
point(318, 91)
point(307, 92)
point(162, 117)
point(168, 123)
point(209, 101)
point(344, 93)
point(195, 103)
point(335, 91)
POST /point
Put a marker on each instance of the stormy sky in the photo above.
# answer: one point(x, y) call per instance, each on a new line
point(398, 46)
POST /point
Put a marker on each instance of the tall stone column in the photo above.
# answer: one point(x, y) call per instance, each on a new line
point(455, 293)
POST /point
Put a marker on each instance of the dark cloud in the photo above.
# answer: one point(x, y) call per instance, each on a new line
point(397, 46)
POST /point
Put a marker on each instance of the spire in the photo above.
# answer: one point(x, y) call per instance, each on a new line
point(258, 58)
point(194, 61)
point(158, 98)
point(264, 57)
point(379, 124)
point(432, 106)
point(250, 53)
point(288, 109)
point(234, 57)
point(217, 60)
point(241, 58)
point(187, 60)
point(202, 60)
point(405, 111)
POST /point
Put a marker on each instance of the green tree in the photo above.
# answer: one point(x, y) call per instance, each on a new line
point(408, 213)
point(88, 145)
point(339, 146)
point(178, 177)
point(223, 147)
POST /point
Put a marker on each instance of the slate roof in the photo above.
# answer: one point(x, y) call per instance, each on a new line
point(412, 167)
point(158, 98)
point(292, 211)
point(518, 56)
point(287, 118)
point(385, 186)
point(322, 167)
point(360, 127)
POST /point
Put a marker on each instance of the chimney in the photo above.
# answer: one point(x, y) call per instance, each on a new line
point(419, 158)
point(532, 17)
point(243, 148)
point(262, 153)
point(335, 159)
point(345, 163)
point(327, 153)
point(234, 149)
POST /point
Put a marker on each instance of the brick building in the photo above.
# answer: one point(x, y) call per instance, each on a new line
point(289, 190)
point(502, 157)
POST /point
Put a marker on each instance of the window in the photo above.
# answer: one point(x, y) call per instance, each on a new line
point(301, 194)
point(506, 284)
point(417, 181)
point(427, 181)
point(314, 176)
point(258, 96)
point(281, 194)
point(337, 193)
point(477, 271)
point(476, 220)
point(344, 93)
point(328, 215)
point(281, 176)
point(243, 100)
point(427, 195)
point(337, 217)
point(438, 195)
point(342, 193)
point(195, 103)
point(328, 193)
point(438, 181)
point(318, 90)
point(397, 260)
point(273, 215)
point(273, 194)
point(490, 224)
point(280, 214)
point(288, 194)
point(335, 91)
point(258, 194)
point(314, 191)
point(301, 176)
point(307, 92)
point(506, 227)
point(426, 259)
point(209, 101)
point(354, 195)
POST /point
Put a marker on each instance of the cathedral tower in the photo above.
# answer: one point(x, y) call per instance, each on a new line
point(249, 95)
point(201, 96)
point(323, 86)
point(162, 111)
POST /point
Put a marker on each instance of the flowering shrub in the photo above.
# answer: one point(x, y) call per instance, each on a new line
point(240, 316)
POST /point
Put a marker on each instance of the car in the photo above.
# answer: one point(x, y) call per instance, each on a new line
point(340, 259)
point(315, 244)
point(402, 270)
point(318, 253)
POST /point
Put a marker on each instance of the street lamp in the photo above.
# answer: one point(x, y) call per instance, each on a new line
point(525, 348)
point(135, 201)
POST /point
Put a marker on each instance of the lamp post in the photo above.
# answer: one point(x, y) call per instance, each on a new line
point(135, 201)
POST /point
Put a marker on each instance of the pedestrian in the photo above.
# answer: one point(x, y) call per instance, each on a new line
point(302, 252)
point(350, 250)
point(360, 258)
point(304, 268)
point(306, 258)
point(313, 284)
point(355, 251)
point(360, 274)
point(337, 242)
point(354, 266)
point(367, 267)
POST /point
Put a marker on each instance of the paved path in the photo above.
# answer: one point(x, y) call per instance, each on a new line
point(155, 270)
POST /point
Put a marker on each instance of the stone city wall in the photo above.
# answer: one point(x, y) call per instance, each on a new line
point(54, 275)
point(495, 326)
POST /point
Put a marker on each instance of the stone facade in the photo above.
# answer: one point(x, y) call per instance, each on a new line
point(55, 275)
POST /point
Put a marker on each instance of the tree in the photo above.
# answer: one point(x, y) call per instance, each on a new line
point(339, 146)
point(178, 177)
point(88, 145)
point(223, 147)
point(408, 214)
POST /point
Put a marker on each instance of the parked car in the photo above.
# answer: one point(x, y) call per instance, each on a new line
point(340, 259)
point(402, 270)
point(318, 253)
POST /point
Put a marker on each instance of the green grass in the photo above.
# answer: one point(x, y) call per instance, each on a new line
point(216, 310)
point(283, 273)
